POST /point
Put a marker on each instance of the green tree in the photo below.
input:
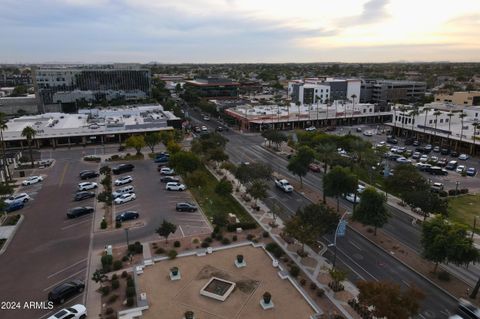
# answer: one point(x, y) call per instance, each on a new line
point(327, 153)
point(165, 229)
point(246, 174)
point(407, 179)
point(137, 142)
point(224, 187)
point(152, 140)
point(428, 202)
point(3, 127)
point(371, 210)
point(298, 164)
point(173, 147)
point(19, 90)
point(339, 181)
point(197, 178)
point(29, 133)
point(311, 222)
point(389, 300)
point(258, 190)
point(185, 162)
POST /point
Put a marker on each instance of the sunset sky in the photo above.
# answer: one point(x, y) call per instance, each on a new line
point(213, 31)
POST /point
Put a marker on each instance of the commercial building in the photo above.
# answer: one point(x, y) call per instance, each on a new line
point(391, 91)
point(19, 105)
point(460, 98)
point(326, 89)
point(255, 118)
point(213, 88)
point(95, 126)
point(455, 129)
point(15, 79)
point(69, 87)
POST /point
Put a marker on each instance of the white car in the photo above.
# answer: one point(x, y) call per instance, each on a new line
point(360, 188)
point(424, 158)
point(204, 128)
point(368, 133)
point(125, 198)
point(167, 171)
point(311, 129)
point(403, 160)
point(461, 168)
point(206, 118)
point(123, 180)
point(74, 312)
point(351, 198)
point(463, 157)
point(85, 186)
point(32, 180)
point(175, 186)
point(22, 197)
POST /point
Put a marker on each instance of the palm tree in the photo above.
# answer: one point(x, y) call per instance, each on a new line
point(436, 114)
point(402, 109)
point(3, 127)
point(450, 114)
point(461, 116)
point(29, 133)
point(425, 110)
point(317, 98)
point(353, 96)
point(413, 114)
point(298, 103)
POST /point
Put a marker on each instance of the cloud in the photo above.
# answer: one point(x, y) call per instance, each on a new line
point(374, 11)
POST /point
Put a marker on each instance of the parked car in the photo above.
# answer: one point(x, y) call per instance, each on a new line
point(175, 186)
point(219, 129)
point(436, 187)
point(442, 162)
point(392, 140)
point(460, 168)
point(88, 174)
point(368, 133)
point(21, 197)
point(351, 198)
point(416, 155)
point(206, 118)
point(409, 141)
point(444, 151)
point(428, 147)
point(311, 129)
point(128, 215)
point(433, 159)
point(467, 310)
point(125, 198)
point(123, 168)
point(436, 170)
point(454, 154)
point(403, 160)
point(167, 171)
point(14, 206)
point(123, 180)
point(360, 188)
point(123, 190)
point(65, 291)
point(471, 171)
point(408, 153)
point(32, 180)
point(314, 167)
point(436, 149)
point(416, 143)
point(185, 207)
point(168, 179)
point(161, 159)
point(463, 157)
point(451, 165)
point(79, 211)
point(77, 311)
point(204, 128)
point(83, 195)
point(85, 186)
point(423, 158)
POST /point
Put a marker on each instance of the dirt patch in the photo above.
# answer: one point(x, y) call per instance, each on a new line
point(247, 285)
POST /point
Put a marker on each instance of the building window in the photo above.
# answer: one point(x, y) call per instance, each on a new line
point(441, 120)
point(370, 110)
point(364, 111)
point(430, 121)
point(476, 114)
point(446, 120)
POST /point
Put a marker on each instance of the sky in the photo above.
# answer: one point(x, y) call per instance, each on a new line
point(238, 31)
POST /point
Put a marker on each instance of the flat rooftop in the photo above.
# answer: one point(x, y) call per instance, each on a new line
point(172, 298)
point(91, 122)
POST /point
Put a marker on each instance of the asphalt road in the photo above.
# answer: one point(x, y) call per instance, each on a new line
point(48, 249)
point(370, 262)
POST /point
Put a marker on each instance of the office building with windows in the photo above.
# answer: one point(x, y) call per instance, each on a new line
point(309, 90)
point(391, 91)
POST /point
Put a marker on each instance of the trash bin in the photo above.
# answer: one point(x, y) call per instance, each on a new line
point(22, 173)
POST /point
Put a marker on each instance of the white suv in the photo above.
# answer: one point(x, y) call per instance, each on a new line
point(73, 312)
point(22, 197)
point(123, 180)
point(175, 186)
point(32, 180)
point(85, 186)
point(125, 198)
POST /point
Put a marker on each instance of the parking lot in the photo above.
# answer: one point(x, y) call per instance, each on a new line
point(154, 203)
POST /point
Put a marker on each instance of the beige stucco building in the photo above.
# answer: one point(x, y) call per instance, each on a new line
point(460, 98)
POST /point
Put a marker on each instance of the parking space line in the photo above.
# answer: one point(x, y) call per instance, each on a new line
point(62, 270)
point(76, 220)
point(181, 230)
point(62, 177)
point(76, 224)
point(64, 279)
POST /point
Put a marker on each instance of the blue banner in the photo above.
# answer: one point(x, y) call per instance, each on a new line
point(342, 228)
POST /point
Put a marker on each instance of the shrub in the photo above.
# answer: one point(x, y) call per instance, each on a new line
point(208, 240)
point(216, 229)
point(276, 250)
point(464, 191)
point(135, 248)
point(130, 292)
point(130, 282)
point(130, 301)
point(442, 194)
point(265, 234)
point(114, 277)
point(109, 310)
point(219, 237)
point(195, 241)
point(112, 298)
point(444, 275)
point(103, 224)
point(118, 224)
point(452, 192)
point(250, 237)
point(223, 187)
point(172, 254)
point(294, 271)
point(125, 258)
point(225, 241)
point(107, 261)
point(160, 251)
point(313, 286)
point(105, 290)
point(234, 238)
point(176, 244)
point(117, 265)
point(205, 244)
point(303, 282)
point(213, 235)
point(320, 292)
point(124, 274)
point(220, 220)
point(115, 284)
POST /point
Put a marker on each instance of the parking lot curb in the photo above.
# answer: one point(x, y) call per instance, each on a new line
point(9, 239)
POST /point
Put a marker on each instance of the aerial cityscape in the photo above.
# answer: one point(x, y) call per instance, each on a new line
point(225, 159)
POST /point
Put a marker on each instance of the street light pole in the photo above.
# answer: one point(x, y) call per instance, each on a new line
point(126, 234)
point(474, 225)
point(456, 187)
point(335, 237)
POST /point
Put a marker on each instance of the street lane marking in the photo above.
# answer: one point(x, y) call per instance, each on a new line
point(76, 224)
point(62, 270)
point(62, 177)
point(406, 283)
point(64, 279)
point(76, 220)
point(354, 245)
